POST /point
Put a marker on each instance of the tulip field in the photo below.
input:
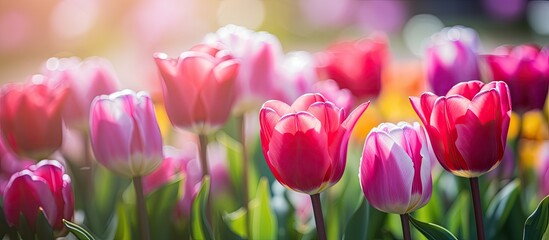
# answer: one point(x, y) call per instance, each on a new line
point(234, 137)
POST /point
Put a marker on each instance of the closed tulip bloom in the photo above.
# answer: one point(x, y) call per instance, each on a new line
point(305, 144)
point(395, 169)
point(525, 68)
point(30, 117)
point(198, 87)
point(452, 58)
point(42, 186)
point(342, 98)
point(124, 133)
point(85, 80)
point(356, 65)
point(258, 54)
point(542, 169)
point(467, 127)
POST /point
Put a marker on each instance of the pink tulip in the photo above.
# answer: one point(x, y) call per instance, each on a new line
point(42, 186)
point(124, 133)
point(395, 170)
point(342, 98)
point(525, 68)
point(9, 164)
point(543, 170)
point(198, 87)
point(452, 58)
point(85, 80)
point(357, 65)
point(258, 54)
point(305, 144)
point(467, 127)
point(30, 117)
point(298, 72)
point(171, 168)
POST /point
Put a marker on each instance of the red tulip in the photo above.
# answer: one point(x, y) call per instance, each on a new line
point(85, 80)
point(30, 118)
point(467, 127)
point(305, 144)
point(525, 69)
point(198, 87)
point(124, 133)
point(358, 65)
point(42, 186)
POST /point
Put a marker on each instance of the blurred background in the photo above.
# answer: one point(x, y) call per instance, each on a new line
point(129, 32)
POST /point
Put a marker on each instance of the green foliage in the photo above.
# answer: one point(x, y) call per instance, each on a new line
point(160, 206)
point(79, 232)
point(357, 225)
point(431, 231)
point(535, 226)
point(263, 220)
point(500, 208)
point(200, 228)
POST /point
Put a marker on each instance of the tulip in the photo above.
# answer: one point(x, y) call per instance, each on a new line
point(298, 73)
point(356, 65)
point(30, 117)
point(452, 58)
point(258, 54)
point(85, 80)
point(198, 87)
point(525, 68)
point(395, 169)
point(124, 133)
point(467, 127)
point(342, 98)
point(9, 164)
point(468, 131)
point(43, 186)
point(543, 170)
point(310, 132)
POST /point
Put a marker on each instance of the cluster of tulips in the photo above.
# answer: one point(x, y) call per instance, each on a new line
point(259, 130)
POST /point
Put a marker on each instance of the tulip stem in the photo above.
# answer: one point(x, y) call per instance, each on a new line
point(141, 208)
point(246, 169)
point(477, 207)
point(319, 220)
point(404, 219)
point(204, 154)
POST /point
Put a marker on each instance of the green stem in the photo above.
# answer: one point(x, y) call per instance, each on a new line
point(87, 171)
point(246, 172)
point(404, 219)
point(141, 208)
point(204, 154)
point(477, 207)
point(319, 220)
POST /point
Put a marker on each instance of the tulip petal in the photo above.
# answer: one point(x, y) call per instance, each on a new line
point(281, 108)
point(386, 173)
point(303, 102)
point(424, 106)
point(328, 114)
point(466, 89)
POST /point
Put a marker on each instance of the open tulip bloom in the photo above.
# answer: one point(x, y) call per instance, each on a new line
point(468, 129)
point(305, 144)
point(395, 169)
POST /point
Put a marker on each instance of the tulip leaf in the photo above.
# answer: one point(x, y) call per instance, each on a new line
point(123, 222)
point(24, 229)
point(160, 205)
point(43, 228)
point(234, 156)
point(431, 231)
point(264, 223)
point(4, 227)
point(200, 228)
point(236, 222)
point(536, 225)
point(78, 231)
point(356, 227)
point(500, 207)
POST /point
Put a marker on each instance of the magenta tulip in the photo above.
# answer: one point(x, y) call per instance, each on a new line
point(452, 58)
point(525, 68)
point(258, 54)
point(124, 133)
point(43, 186)
point(85, 80)
point(395, 169)
point(305, 144)
point(198, 87)
point(30, 117)
point(542, 169)
point(467, 127)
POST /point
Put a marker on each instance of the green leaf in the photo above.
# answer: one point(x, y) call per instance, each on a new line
point(536, 224)
point(236, 221)
point(431, 231)
point(43, 228)
point(24, 229)
point(160, 205)
point(200, 228)
point(500, 207)
point(356, 227)
point(4, 227)
point(234, 156)
point(458, 216)
point(124, 229)
point(263, 224)
point(79, 232)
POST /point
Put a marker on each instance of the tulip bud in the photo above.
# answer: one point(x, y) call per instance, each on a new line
point(43, 186)
point(305, 144)
point(124, 133)
point(30, 117)
point(198, 87)
point(467, 127)
point(395, 170)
